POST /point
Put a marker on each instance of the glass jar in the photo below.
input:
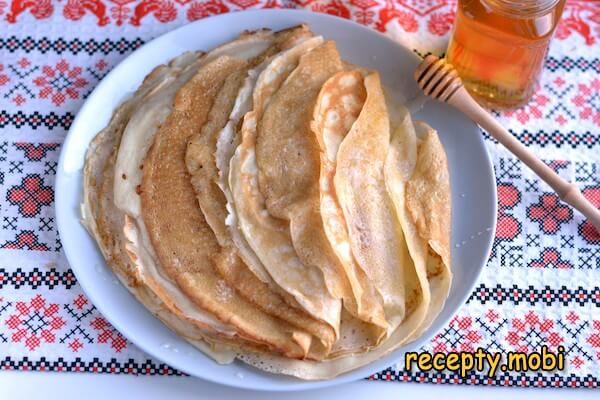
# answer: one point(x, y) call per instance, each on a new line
point(498, 47)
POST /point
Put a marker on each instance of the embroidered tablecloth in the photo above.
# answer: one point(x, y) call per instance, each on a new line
point(541, 285)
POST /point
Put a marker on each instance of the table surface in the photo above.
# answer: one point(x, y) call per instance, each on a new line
point(34, 385)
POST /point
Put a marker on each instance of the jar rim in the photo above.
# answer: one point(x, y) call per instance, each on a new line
point(521, 8)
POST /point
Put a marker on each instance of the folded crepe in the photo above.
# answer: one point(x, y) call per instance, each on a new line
point(419, 183)
point(269, 237)
point(202, 166)
point(375, 236)
point(338, 105)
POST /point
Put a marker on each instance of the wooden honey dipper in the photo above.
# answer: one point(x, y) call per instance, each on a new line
point(439, 80)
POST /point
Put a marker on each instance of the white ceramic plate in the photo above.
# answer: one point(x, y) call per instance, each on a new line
point(472, 181)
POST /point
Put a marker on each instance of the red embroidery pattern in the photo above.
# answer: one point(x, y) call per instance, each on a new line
point(3, 77)
point(531, 110)
point(108, 334)
point(550, 213)
point(551, 258)
point(76, 9)
point(594, 338)
point(581, 17)
point(25, 240)
point(586, 229)
point(59, 82)
point(390, 12)
point(440, 23)
point(561, 102)
point(199, 10)
point(163, 10)
point(435, 16)
point(461, 335)
point(35, 152)
point(40, 9)
point(507, 226)
point(34, 322)
point(531, 332)
point(334, 7)
point(587, 101)
point(30, 196)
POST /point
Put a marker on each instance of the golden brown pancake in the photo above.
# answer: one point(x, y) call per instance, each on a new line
point(428, 193)
point(269, 237)
point(152, 112)
point(99, 214)
point(285, 144)
point(201, 164)
point(287, 156)
point(399, 168)
point(136, 139)
point(430, 217)
point(229, 138)
point(288, 160)
point(182, 240)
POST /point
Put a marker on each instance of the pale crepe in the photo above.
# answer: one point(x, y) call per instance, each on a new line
point(427, 218)
point(287, 157)
point(268, 237)
point(227, 141)
point(376, 238)
point(99, 167)
point(201, 164)
point(338, 106)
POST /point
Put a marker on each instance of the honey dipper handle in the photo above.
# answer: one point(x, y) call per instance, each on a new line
point(568, 192)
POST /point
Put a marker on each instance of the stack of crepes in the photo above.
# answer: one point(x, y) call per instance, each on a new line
point(264, 201)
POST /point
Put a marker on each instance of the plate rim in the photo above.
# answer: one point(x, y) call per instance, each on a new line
point(62, 215)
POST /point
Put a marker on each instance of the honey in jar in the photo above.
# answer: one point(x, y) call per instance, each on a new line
point(498, 47)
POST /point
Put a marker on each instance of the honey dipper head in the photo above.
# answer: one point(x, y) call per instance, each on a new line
point(437, 78)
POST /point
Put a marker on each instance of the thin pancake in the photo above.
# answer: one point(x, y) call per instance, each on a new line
point(376, 238)
point(201, 164)
point(287, 157)
point(228, 139)
point(182, 240)
point(338, 106)
point(98, 214)
point(267, 236)
point(399, 167)
point(153, 112)
point(428, 206)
